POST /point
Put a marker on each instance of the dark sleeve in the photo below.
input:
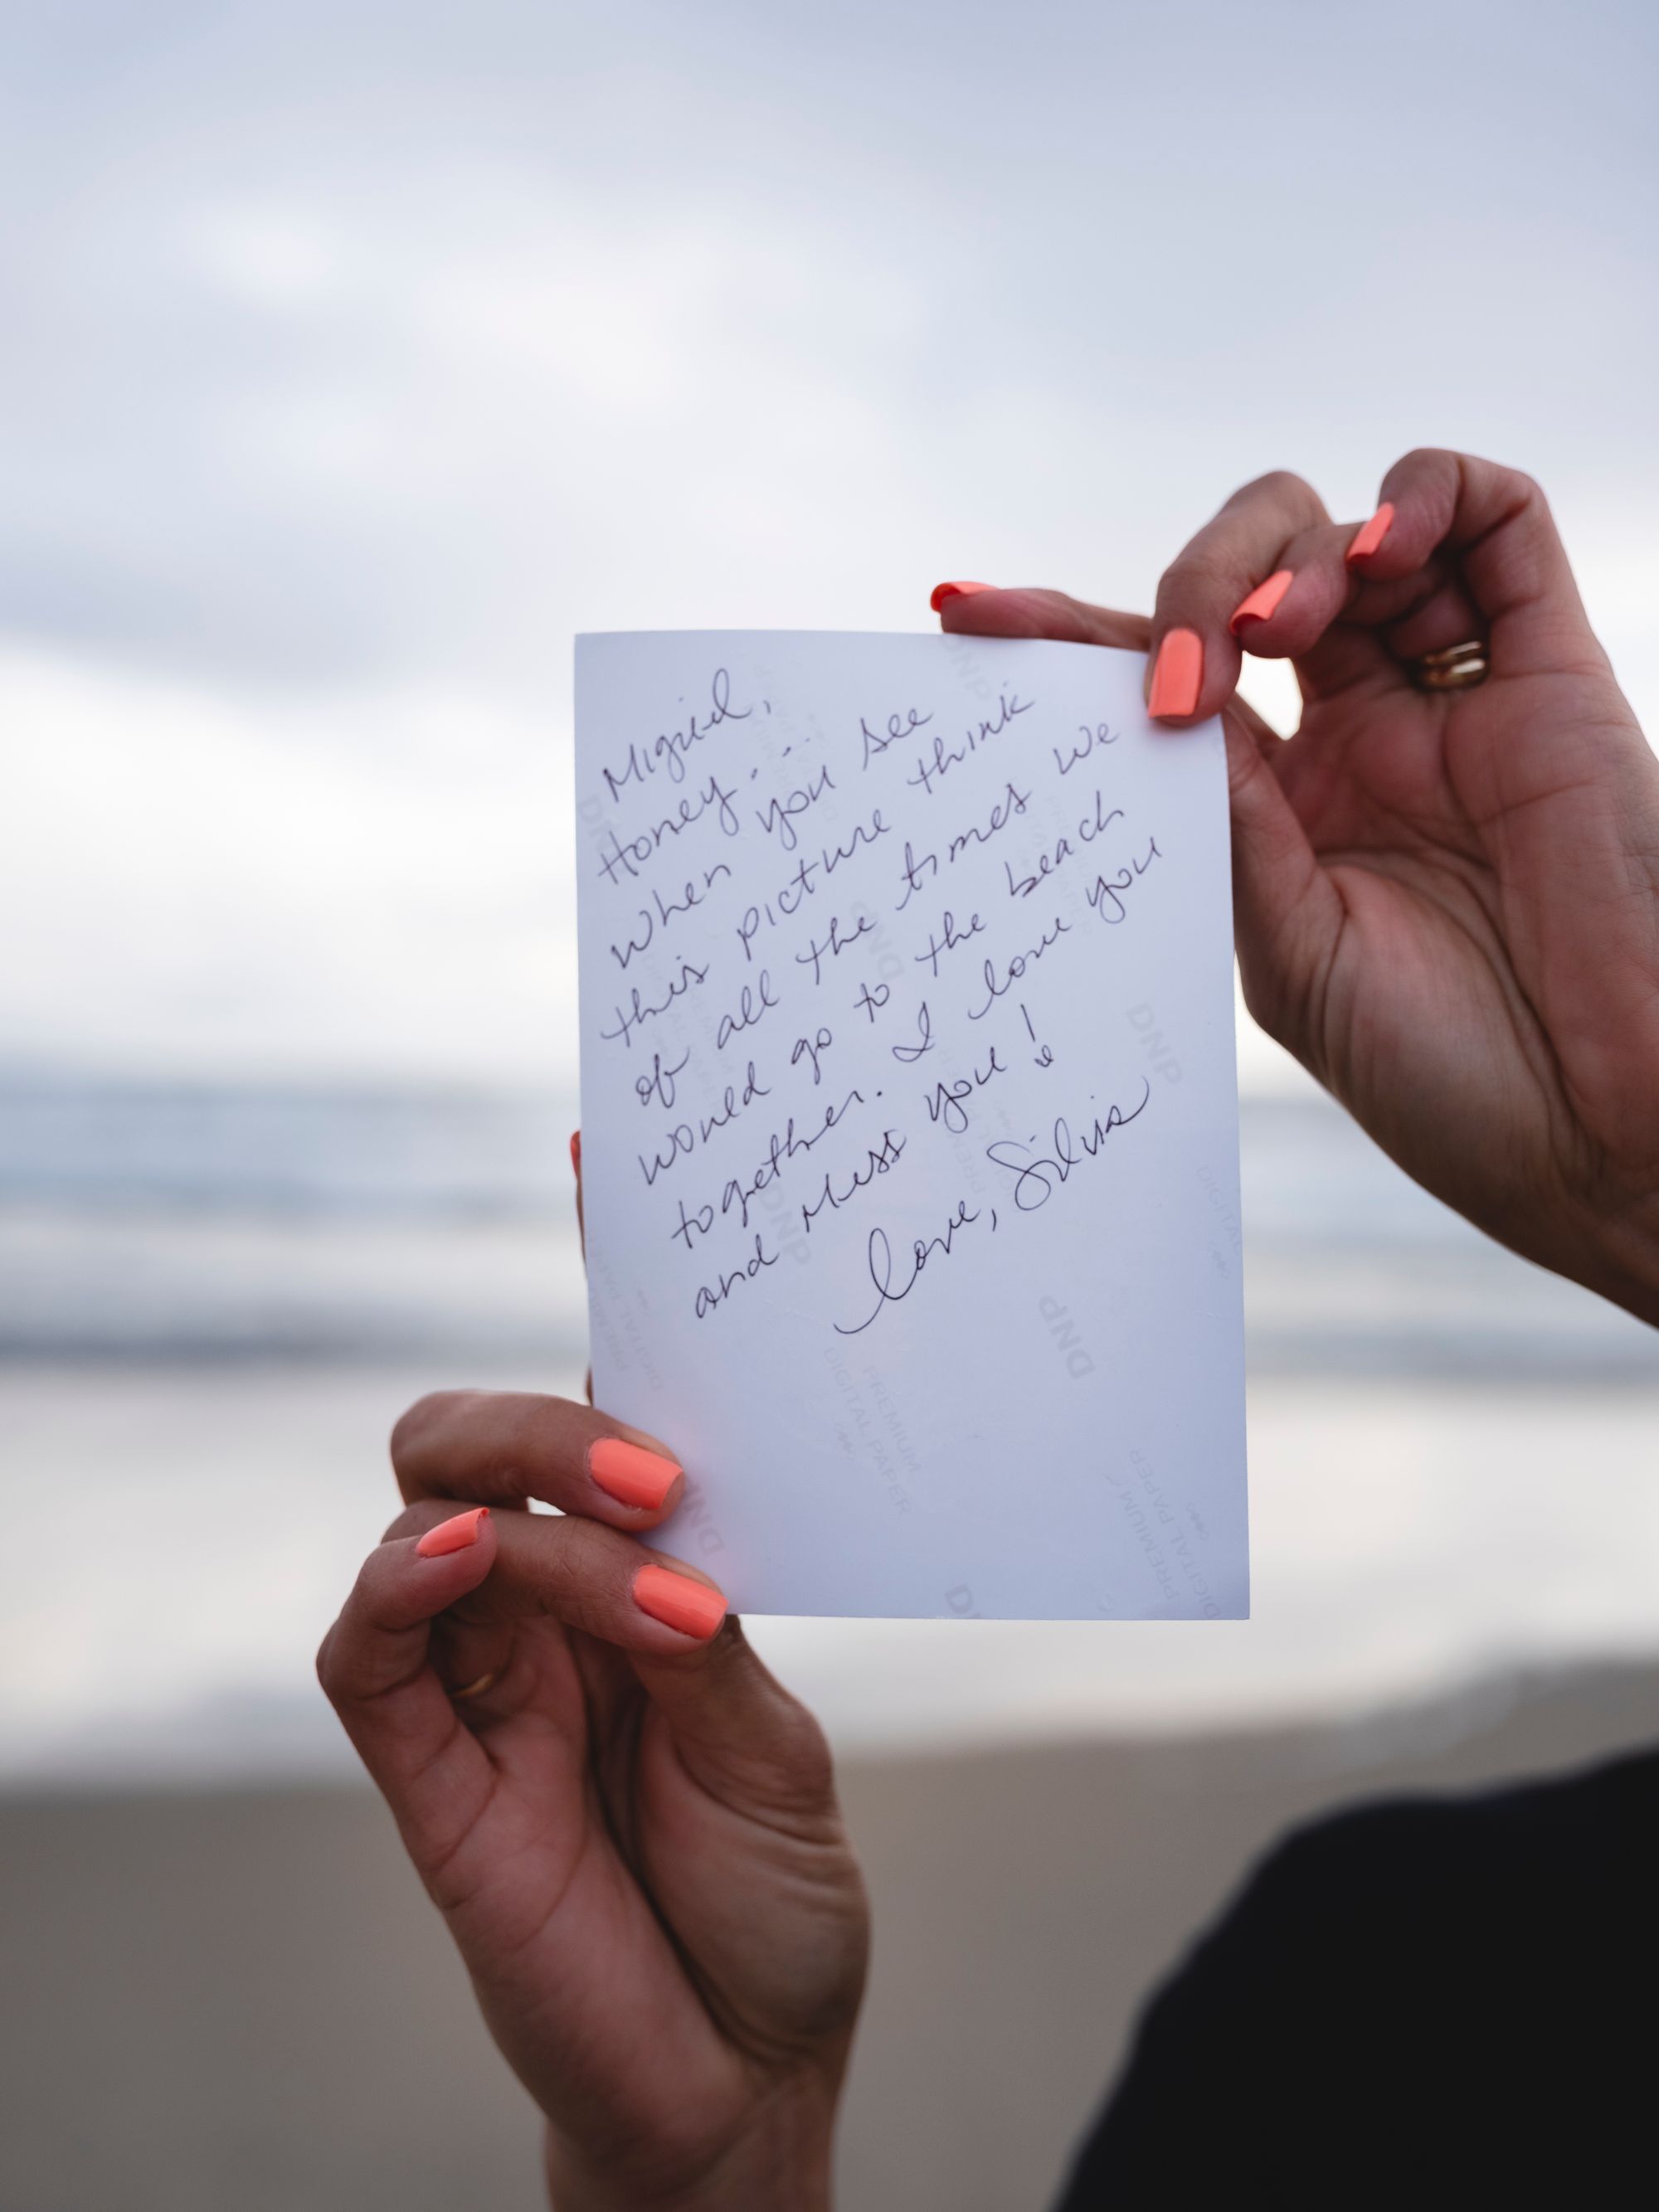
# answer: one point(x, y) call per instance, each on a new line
point(1406, 2004)
point(1182, 2124)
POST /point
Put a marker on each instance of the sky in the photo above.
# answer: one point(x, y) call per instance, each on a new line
point(353, 357)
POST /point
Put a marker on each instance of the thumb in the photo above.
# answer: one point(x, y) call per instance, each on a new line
point(738, 1731)
point(376, 1668)
point(1287, 914)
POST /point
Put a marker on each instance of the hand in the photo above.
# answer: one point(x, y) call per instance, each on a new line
point(630, 1827)
point(1447, 903)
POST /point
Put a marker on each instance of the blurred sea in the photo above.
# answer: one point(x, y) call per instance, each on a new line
point(215, 1298)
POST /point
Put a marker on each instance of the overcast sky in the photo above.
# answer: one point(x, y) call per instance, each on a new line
point(352, 357)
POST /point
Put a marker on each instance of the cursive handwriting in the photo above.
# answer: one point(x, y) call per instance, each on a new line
point(780, 813)
point(753, 1002)
point(948, 1102)
point(1036, 1180)
point(660, 1084)
point(707, 1299)
point(787, 901)
point(681, 1140)
point(941, 758)
point(833, 946)
point(665, 911)
point(783, 1146)
point(1014, 969)
point(877, 1161)
point(669, 750)
point(949, 941)
point(1102, 734)
point(1012, 802)
point(1090, 826)
point(896, 728)
point(630, 858)
point(638, 1011)
point(880, 1256)
point(1105, 893)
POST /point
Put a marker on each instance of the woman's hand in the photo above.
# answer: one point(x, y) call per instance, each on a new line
point(630, 1827)
point(1447, 903)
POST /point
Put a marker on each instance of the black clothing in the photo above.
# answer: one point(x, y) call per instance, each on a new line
point(1415, 2004)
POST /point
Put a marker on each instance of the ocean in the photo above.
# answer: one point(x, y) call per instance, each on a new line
point(215, 1298)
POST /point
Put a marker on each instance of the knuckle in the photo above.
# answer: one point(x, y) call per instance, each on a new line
point(1524, 490)
point(420, 1431)
point(558, 1574)
point(1438, 469)
point(1282, 486)
point(803, 1751)
point(1201, 572)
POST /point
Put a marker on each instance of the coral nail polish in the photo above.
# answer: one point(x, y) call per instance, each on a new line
point(576, 1150)
point(629, 1474)
point(1370, 535)
point(678, 1602)
point(1263, 602)
point(1177, 673)
point(454, 1534)
point(942, 592)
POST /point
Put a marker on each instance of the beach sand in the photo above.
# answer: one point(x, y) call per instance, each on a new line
point(239, 2001)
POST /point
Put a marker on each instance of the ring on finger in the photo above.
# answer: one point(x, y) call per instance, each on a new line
point(485, 1681)
point(1454, 668)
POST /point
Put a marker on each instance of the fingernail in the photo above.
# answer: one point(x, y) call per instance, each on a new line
point(453, 1535)
point(678, 1602)
point(629, 1474)
point(1177, 673)
point(1263, 601)
point(576, 1151)
point(942, 592)
point(1370, 535)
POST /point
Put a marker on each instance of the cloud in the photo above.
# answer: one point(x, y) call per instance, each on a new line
point(353, 359)
point(198, 880)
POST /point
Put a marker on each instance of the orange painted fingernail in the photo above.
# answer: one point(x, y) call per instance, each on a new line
point(1177, 673)
point(678, 1602)
point(629, 1474)
point(453, 1535)
point(1370, 535)
point(942, 592)
point(576, 1150)
point(1263, 601)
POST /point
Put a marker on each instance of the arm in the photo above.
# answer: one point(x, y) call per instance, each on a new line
point(630, 1829)
point(1446, 904)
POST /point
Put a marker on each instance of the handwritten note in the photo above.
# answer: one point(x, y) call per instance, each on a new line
point(909, 1120)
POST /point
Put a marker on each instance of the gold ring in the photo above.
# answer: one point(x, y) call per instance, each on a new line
point(1454, 668)
point(476, 1689)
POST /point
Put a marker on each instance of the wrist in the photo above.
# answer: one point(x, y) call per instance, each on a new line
point(780, 2163)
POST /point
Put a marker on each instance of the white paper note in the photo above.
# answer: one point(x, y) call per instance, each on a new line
point(910, 1122)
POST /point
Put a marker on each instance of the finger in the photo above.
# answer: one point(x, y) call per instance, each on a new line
point(1341, 628)
point(502, 1448)
point(1447, 616)
point(982, 610)
point(1196, 655)
point(375, 1669)
point(587, 1577)
point(1497, 525)
point(740, 1732)
point(1285, 616)
point(1287, 914)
